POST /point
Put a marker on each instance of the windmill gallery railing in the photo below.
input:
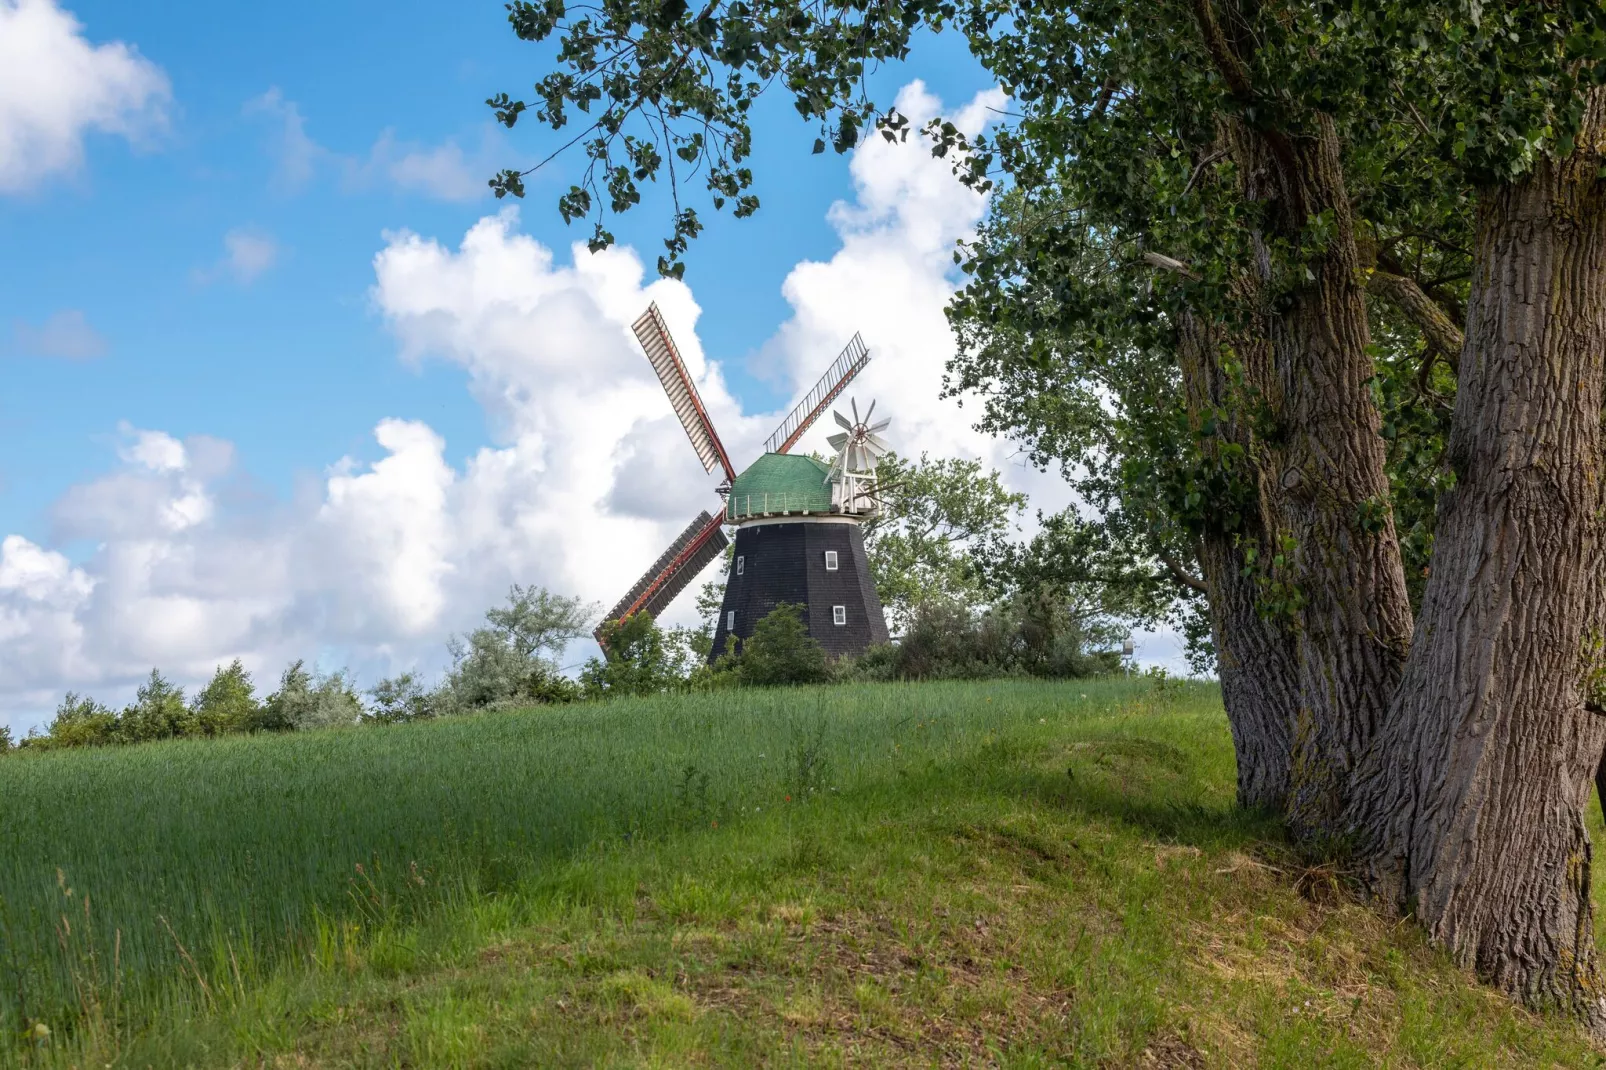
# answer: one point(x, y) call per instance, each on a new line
point(848, 363)
point(778, 503)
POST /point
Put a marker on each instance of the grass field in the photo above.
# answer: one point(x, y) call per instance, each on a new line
point(1013, 873)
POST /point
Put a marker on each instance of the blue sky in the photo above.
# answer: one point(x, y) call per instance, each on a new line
point(262, 400)
point(291, 364)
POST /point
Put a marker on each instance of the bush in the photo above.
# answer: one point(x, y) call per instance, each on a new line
point(80, 721)
point(5, 739)
point(1030, 634)
point(781, 651)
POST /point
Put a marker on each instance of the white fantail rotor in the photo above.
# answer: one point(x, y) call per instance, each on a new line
point(859, 446)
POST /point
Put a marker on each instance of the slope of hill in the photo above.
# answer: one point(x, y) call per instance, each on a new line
point(1016, 873)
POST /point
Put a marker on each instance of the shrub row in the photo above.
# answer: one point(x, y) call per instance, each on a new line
point(507, 665)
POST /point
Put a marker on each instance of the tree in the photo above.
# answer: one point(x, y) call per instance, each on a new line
point(537, 622)
point(935, 517)
point(305, 701)
point(1254, 181)
point(401, 699)
point(157, 712)
point(80, 721)
point(639, 658)
point(228, 703)
point(510, 661)
point(6, 743)
point(781, 651)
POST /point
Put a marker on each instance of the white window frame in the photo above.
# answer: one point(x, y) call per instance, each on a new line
point(730, 620)
point(741, 564)
point(830, 561)
point(839, 615)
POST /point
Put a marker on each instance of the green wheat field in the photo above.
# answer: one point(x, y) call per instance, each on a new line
point(1002, 873)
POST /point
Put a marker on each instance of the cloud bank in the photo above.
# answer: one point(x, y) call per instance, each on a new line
point(373, 564)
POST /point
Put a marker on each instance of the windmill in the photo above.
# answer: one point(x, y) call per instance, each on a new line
point(703, 539)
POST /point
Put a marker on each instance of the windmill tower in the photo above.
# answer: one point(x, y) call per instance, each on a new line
point(796, 518)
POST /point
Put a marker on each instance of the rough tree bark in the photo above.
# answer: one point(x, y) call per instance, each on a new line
point(1342, 587)
point(1470, 807)
point(1255, 654)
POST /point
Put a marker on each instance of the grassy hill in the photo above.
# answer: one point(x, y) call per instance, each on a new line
point(1018, 873)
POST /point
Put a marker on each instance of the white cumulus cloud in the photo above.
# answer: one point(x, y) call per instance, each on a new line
point(56, 87)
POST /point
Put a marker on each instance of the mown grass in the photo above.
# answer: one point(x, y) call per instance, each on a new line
point(1012, 873)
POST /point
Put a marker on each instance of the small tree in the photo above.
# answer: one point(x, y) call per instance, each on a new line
point(401, 699)
point(157, 712)
point(228, 703)
point(639, 658)
point(304, 701)
point(511, 661)
point(936, 516)
point(537, 622)
point(5, 738)
point(80, 721)
point(781, 651)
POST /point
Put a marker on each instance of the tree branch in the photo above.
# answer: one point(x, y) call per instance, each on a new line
point(1405, 294)
point(1182, 576)
point(1166, 263)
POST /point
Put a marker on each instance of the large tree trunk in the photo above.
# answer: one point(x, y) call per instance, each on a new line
point(1470, 807)
point(1254, 652)
point(1338, 579)
point(1259, 679)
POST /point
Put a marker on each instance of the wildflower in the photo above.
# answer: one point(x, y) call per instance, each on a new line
point(41, 1033)
point(716, 824)
point(788, 798)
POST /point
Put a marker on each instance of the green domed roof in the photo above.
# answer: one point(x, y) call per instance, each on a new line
point(780, 483)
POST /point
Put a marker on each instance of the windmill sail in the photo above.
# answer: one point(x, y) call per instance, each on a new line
point(849, 362)
point(653, 335)
point(700, 543)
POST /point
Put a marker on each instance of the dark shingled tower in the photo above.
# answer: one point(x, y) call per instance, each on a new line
point(794, 545)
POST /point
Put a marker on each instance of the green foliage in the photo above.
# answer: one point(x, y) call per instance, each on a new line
point(157, 712)
point(1037, 633)
point(400, 699)
point(936, 518)
point(80, 721)
point(781, 652)
point(510, 662)
point(228, 703)
point(6, 742)
point(639, 658)
point(537, 622)
point(305, 701)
